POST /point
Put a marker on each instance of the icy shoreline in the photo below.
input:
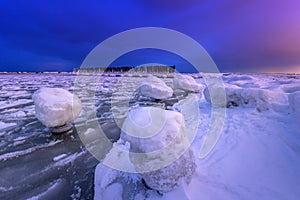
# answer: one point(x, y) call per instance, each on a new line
point(257, 155)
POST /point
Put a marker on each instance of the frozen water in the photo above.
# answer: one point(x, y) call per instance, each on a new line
point(4, 126)
point(256, 157)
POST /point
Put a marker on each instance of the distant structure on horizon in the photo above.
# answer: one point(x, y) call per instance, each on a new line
point(143, 69)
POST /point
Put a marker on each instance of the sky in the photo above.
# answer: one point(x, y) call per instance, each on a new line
point(240, 36)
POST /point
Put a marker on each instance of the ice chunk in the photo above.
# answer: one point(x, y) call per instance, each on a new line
point(6, 125)
point(186, 83)
point(15, 104)
point(124, 185)
point(55, 106)
point(18, 114)
point(56, 158)
point(160, 138)
point(155, 88)
point(261, 99)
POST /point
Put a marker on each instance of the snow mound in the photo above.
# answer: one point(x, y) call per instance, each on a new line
point(160, 138)
point(186, 83)
point(155, 88)
point(294, 100)
point(261, 99)
point(291, 88)
point(55, 106)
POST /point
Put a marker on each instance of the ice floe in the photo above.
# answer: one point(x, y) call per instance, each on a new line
point(4, 126)
point(155, 88)
point(261, 99)
point(186, 83)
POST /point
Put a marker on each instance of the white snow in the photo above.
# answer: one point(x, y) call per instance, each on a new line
point(186, 83)
point(108, 179)
point(56, 158)
point(294, 100)
point(55, 106)
point(149, 130)
point(146, 130)
point(89, 131)
point(261, 99)
point(155, 88)
point(55, 184)
point(113, 192)
point(256, 157)
point(18, 114)
point(65, 160)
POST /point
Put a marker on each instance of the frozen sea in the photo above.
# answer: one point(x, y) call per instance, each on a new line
point(256, 157)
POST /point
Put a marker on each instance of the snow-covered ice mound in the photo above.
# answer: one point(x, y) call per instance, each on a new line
point(155, 88)
point(160, 138)
point(261, 99)
point(56, 107)
point(186, 83)
point(294, 100)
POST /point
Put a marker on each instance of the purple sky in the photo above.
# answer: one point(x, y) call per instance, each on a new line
point(241, 36)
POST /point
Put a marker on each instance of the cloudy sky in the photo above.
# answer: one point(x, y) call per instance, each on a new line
point(240, 36)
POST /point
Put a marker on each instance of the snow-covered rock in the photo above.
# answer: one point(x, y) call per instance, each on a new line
point(155, 88)
point(159, 136)
point(186, 83)
point(55, 106)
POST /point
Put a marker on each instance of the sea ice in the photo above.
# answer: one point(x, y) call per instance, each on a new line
point(15, 104)
point(186, 83)
point(155, 88)
point(18, 114)
point(55, 106)
point(6, 125)
point(261, 99)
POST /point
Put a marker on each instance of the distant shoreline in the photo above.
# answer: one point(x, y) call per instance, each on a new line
point(145, 73)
